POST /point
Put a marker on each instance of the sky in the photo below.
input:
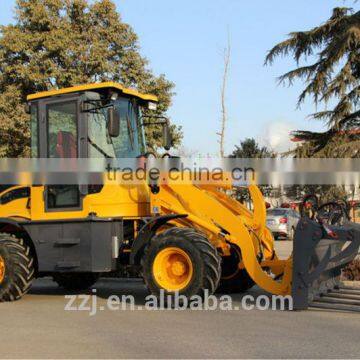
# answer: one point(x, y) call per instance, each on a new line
point(186, 40)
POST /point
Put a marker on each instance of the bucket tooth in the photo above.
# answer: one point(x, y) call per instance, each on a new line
point(338, 299)
point(346, 291)
point(338, 307)
point(331, 300)
point(336, 295)
point(351, 288)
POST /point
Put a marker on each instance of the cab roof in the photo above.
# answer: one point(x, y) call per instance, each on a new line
point(91, 87)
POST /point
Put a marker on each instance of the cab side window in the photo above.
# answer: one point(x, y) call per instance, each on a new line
point(62, 130)
point(34, 132)
point(62, 143)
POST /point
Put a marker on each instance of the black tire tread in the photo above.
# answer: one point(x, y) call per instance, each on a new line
point(242, 283)
point(22, 272)
point(239, 282)
point(212, 260)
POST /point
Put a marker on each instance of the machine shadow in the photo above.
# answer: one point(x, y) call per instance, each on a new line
point(136, 289)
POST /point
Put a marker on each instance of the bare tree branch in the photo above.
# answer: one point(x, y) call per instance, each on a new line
point(224, 115)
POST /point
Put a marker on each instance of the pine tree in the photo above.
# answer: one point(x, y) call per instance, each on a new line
point(249, 148)
point(334, 75)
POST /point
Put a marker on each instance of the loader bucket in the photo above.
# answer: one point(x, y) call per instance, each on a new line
point(319, 255)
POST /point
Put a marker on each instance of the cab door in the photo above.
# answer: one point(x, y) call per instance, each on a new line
point(61, 135)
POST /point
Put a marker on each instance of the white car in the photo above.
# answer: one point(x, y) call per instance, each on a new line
point(282, 222)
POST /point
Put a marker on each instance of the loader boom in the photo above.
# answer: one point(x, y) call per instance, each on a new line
point(212, 213)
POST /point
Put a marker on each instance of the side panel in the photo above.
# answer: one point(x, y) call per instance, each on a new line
point(78, 246)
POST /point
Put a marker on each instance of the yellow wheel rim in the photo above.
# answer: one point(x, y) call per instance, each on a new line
point(172, 269)
point(2, 269)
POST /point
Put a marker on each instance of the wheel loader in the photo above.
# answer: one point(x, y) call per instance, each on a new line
point(181, 238)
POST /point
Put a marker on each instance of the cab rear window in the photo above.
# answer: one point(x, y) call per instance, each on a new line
point(15, 194)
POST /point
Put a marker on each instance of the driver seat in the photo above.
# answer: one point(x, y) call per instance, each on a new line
point(66, 145)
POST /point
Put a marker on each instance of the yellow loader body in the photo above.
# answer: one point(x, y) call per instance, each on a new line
point(179, 235)
point(207, 208)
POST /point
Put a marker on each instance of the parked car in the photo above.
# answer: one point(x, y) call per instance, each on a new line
point(282, 222)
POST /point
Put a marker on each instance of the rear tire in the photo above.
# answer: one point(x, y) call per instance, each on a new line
point(76, 281)
point(17, 270)
point(233, 279)
point(201, 264)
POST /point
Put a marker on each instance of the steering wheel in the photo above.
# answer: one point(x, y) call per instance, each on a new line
point(333, 213)
point(309, 206)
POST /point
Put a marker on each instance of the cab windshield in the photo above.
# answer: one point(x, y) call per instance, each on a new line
point(129, 144)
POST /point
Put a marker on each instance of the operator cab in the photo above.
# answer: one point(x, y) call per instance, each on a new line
point(90, 121)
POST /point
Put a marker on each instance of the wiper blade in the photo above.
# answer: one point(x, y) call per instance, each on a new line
point(130, 131)
point(99, 149)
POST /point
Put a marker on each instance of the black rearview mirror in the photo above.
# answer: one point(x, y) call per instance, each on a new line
point(167, 137)
point(113, 122)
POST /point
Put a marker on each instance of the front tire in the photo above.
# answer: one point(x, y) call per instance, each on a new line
point(233, 279)
point(76, 281)
point(17, 270)
point(181, 260)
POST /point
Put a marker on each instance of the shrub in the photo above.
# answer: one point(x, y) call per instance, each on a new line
point(352, 271)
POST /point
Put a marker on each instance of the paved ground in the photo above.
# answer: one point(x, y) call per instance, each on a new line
point(283, 248)
point(37, 326)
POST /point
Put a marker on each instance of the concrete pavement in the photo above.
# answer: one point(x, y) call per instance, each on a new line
point(38, 327)
point(283, 248)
